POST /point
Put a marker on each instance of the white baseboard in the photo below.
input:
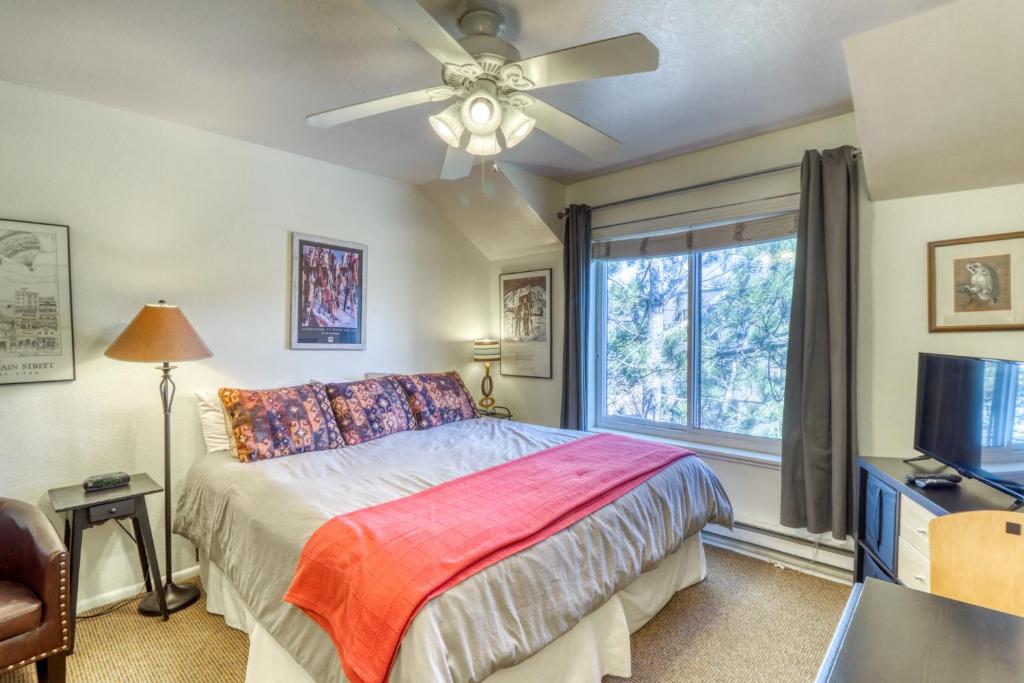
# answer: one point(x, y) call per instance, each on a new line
point(86, 604)
point(821, 562)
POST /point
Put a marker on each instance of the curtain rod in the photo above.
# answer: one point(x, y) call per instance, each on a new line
point(700, 186)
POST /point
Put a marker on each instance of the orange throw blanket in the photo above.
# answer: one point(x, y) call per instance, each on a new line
point(364, 575)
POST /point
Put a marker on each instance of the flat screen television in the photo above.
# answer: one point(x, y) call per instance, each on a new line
point(970, 416)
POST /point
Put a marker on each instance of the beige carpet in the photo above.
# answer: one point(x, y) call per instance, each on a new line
point(749, 621)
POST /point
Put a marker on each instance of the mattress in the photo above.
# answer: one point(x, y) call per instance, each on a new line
point(252, 519)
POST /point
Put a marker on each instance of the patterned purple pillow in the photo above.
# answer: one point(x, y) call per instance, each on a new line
point(269, 423)
point(437, 398)
point(369, 409)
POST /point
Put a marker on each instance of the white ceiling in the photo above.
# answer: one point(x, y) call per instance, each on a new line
point(252, 69)
point(948, 115)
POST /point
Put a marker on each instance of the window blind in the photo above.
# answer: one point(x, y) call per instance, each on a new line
point(696, 238)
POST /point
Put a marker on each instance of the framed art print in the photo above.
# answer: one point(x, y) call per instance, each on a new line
point(328, 293)
point(976, 283)
point(526, 323)
point(36, 336)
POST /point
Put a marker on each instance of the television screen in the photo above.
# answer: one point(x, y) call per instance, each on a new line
point(970, 416)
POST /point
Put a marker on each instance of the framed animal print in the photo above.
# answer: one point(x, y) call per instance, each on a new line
point(526, 323)
point(328, 293)
point(36, 337)
point(976, 284)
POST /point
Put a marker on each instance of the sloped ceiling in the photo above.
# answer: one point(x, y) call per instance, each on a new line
point(252, 69)
point(940, 99)
point(504, 211)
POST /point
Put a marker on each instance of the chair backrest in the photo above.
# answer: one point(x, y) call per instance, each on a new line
point(978, 557)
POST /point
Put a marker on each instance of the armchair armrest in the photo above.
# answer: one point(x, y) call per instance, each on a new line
point(32, 548)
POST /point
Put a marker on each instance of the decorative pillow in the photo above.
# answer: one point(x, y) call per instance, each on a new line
point(437, 398)
point(270, 423)
point(370, 409)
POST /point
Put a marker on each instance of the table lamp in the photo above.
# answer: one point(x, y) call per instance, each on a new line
point(161, 333)
point(487, 351)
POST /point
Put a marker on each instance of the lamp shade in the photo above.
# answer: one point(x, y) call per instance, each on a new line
point(159, 333)
point(486, 350)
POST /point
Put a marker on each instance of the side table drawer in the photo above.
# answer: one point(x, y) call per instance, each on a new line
point(120, 508)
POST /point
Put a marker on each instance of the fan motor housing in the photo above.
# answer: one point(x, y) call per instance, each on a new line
point(483, 29)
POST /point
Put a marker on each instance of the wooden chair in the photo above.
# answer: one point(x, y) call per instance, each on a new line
point(978, 557)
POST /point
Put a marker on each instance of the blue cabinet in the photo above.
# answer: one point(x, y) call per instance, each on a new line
point(881, 503)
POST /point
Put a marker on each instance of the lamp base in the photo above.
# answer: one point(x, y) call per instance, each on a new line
point(178, 598)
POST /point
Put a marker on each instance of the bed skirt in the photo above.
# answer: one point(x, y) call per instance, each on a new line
point(597, 646)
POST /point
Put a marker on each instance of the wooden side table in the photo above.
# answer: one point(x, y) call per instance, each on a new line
point(83, 509)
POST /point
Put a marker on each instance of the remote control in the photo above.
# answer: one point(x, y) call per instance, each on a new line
point(935, 483)
point(946, 476)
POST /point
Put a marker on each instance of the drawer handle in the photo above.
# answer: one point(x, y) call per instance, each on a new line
point(919, 578)
point(923, 532)
point(112, 510)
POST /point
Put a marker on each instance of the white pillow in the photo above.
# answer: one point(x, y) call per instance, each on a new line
point(216, 426)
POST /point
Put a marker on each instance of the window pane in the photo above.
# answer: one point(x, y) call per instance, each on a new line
point(745, 302)
point(646, 338)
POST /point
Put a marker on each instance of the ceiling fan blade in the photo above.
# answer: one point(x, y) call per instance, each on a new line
point(410, 17)
point(457, 164)
point(334, 117)
point(628, 54)
point(572, 131)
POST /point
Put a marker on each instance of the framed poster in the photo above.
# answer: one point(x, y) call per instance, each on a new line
point(976, 284)
point(328, 293)
point(36, 336)
point(526, 323)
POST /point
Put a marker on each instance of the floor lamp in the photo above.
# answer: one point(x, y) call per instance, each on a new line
point(161, 333)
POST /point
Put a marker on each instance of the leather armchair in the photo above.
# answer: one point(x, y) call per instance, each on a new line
point(34, 610)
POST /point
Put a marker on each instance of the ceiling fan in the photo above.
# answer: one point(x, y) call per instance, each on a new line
point(490, 80)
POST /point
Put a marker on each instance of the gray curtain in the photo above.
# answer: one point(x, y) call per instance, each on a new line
point(819, 420)
point(576, 267)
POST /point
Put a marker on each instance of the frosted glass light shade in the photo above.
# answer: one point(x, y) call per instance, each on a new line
point(448, 125)
point(483, 145)
point(515, 126)
point(481, 111)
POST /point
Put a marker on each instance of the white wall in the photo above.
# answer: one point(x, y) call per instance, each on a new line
point(894, 303)
point(163, 211)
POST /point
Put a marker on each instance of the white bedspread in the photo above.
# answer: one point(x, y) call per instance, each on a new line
point(252, 520)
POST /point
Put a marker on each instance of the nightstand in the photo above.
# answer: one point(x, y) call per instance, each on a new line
point(83, 509)
point(499, 412)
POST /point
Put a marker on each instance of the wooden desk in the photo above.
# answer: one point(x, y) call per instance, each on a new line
point(893, 633)
point(83, 509)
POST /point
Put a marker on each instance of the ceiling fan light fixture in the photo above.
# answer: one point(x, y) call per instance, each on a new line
point(483, 145)
point(481, 111)
point(448, 125)
point(515, 126)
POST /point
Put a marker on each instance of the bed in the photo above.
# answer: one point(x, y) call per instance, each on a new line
point(561, 610)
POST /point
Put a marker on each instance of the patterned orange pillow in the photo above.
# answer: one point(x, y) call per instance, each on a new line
point(270, 423)
point(437, 398)
point(370, 409)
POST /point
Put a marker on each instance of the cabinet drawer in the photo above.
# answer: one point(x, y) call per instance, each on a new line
point(914, 568)
point(872, 570)
point(879, 517)
point(914, 524)
point(120, 508)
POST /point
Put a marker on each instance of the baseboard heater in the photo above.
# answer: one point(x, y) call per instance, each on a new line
point(763, 552)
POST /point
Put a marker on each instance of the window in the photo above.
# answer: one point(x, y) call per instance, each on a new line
point(696, 342)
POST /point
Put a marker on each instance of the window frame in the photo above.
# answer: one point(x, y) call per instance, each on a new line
point(686, 433)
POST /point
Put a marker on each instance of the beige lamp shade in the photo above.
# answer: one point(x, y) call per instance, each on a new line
point(159, 333)
point(486, 350)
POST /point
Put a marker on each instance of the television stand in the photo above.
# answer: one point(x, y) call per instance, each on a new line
point(918, 458)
